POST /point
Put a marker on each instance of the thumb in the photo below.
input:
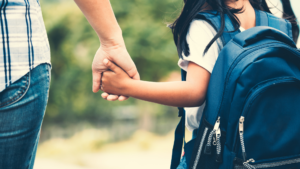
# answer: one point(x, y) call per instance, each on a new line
point(111, 66)
point(136, 76)
point(96, 81)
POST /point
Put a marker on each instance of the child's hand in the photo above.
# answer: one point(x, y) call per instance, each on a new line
point(115, 80)
point(116, 52)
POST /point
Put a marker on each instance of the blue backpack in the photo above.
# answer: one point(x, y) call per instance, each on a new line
point(252, 114)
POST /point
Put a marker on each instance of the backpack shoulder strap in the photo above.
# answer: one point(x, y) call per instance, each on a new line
point(214, 19)
point(280, 24)
point(178, 140)
point(262, 19)
point(179, 133)
point(267, 19)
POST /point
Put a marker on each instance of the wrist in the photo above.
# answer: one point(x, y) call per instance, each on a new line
point(113, 39)
point(127, 87)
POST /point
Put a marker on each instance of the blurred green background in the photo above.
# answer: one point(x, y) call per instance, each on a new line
point(73, 44)
point(78, 121)
point(83, 131)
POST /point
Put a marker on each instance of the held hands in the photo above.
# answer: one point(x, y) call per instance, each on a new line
point(114, 81)
point(117, 53)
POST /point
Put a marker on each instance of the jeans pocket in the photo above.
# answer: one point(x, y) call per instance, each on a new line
point(15, 91)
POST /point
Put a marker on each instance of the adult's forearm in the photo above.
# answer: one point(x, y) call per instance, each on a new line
point(100, 15)
point(179, 94)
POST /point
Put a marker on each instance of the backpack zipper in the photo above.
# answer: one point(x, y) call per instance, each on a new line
point(200, 149)
point(207, 149)
point(272, 164)
point(219, 148)
point(241, 131)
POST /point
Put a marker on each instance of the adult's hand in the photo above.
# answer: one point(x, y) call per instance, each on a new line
point(117, 53)
point(100, 15)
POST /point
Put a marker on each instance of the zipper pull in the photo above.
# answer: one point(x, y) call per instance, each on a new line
point(249, 166)
point(241, 132)
point(217, 129)
point(241, 124)
point(207, 149)
point(217, 124)
point(219, 148)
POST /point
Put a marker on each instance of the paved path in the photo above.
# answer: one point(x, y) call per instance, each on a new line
point(135, 160)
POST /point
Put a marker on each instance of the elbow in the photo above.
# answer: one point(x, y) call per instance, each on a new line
point(197, 99)
point(199, 102)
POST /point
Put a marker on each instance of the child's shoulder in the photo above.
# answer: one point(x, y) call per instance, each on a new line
point(199, 26)
point(204, 18)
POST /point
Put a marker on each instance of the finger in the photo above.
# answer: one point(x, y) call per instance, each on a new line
point(112, 97)
point(96, 81)
point(124, 61)
point(123, 98)
point(110, 65)
point(133, 73)
point(104, 95)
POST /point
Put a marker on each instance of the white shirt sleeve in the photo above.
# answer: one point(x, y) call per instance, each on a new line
point(199, 35)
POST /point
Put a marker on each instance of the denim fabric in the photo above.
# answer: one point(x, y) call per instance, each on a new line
point(183, 164)
point(22, 108)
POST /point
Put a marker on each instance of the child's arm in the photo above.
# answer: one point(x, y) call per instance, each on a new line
point(190, 93)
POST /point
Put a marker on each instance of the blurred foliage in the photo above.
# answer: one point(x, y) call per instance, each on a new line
point(73, 44)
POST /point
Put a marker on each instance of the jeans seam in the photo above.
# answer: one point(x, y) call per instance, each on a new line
point(36, 142)
point(49, 77)
point(19, 96)
point(49, 73)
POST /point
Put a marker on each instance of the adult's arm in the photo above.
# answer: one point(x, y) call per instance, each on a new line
point(100, 15)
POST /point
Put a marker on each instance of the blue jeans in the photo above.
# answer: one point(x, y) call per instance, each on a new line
point(22, 109)
point(183, 163)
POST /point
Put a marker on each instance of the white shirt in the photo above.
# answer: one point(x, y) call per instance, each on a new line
point(199, 35)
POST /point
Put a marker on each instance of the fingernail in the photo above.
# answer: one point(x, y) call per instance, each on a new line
point(105, 61)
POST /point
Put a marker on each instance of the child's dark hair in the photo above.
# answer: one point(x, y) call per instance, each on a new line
point(193, 7)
